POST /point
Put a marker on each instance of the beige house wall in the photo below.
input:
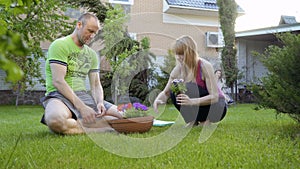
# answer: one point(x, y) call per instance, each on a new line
point(148, 19)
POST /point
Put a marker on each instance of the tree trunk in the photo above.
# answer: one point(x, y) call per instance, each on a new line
point(18, 94)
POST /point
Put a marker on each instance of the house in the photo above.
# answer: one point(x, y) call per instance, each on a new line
point(258, 40)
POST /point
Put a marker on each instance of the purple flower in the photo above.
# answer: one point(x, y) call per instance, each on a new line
point(139, 106)
point(178, 86)
point(176, 81)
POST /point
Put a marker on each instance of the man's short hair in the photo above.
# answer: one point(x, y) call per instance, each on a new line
point(85, 17)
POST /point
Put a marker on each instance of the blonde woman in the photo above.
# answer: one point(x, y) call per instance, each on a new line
point(203, 102)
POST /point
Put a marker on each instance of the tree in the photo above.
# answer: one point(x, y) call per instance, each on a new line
point(128, 58)
point(20, 50)
point(227, 17)
point(169, 64)
point(141, 63)
point(280, 88)
point(40, 21)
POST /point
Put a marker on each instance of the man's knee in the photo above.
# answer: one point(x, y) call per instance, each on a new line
point(56, 114)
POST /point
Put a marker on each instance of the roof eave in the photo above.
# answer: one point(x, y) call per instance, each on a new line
point(269, 30)
point(173, 9)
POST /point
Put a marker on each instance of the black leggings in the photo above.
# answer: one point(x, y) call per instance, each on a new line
point(214, 113)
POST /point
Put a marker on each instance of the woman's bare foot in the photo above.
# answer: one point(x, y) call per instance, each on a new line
point(205, 123)
point(190, 124)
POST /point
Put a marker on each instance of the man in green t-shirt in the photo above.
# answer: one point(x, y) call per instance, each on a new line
point(69, 109)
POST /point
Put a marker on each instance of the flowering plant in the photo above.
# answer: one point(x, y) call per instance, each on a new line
point(178, 86)
point(134, 110)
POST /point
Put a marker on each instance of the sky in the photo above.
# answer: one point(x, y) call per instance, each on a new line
point(265, 13)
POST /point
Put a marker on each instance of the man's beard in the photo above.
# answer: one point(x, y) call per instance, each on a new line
point(81, 41)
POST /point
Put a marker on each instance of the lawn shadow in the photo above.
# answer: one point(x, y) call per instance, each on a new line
point(291, 130)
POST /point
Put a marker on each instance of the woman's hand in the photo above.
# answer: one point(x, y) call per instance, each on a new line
point(183, 99)
point(155, 105)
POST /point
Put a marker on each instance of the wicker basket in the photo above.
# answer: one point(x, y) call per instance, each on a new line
point(132, 125)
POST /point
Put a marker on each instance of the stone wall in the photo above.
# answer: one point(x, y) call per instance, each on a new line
point(8, 97)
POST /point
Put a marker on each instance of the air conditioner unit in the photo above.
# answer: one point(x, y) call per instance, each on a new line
point(132, 35)
point(214, 40)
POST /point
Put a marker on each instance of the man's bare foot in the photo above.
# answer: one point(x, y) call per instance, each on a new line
point(122, 114)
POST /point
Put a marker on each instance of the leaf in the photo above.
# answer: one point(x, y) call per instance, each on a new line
point(6, 3)
point(3, 26)
point(14, 73)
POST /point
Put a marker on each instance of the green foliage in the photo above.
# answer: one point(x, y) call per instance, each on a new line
point(227, 17)
point(131, 113)
point(145, 43)
point(11, 42)
point(106, 80)
point(229, 64)
point(280, 88)
point(170, 63)
point(152, 96)
point(137, 110)
point(139, 85)
point(114, 35)
point(166, 69)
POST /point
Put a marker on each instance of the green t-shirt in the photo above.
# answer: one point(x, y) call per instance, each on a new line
point(79, 63)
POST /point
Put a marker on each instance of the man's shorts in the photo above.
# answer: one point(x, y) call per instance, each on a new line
point(83, 96)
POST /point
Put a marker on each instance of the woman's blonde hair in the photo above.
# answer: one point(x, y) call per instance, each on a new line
point(186, 46)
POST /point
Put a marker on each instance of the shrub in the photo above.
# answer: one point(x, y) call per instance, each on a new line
point(280, 88)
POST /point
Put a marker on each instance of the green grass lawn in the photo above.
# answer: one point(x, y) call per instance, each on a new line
point(246, 138)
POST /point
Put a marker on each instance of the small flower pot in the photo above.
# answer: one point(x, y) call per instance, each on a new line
point(132, 125)
point(177, 95)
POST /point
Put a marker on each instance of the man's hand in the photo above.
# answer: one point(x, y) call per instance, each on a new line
point(88, 114)
point(101, 110)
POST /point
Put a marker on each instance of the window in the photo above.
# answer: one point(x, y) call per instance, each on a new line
point(73, 13)
point(125, 2)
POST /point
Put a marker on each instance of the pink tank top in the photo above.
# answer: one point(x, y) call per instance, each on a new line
point(202, 83)
point(199, 80)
